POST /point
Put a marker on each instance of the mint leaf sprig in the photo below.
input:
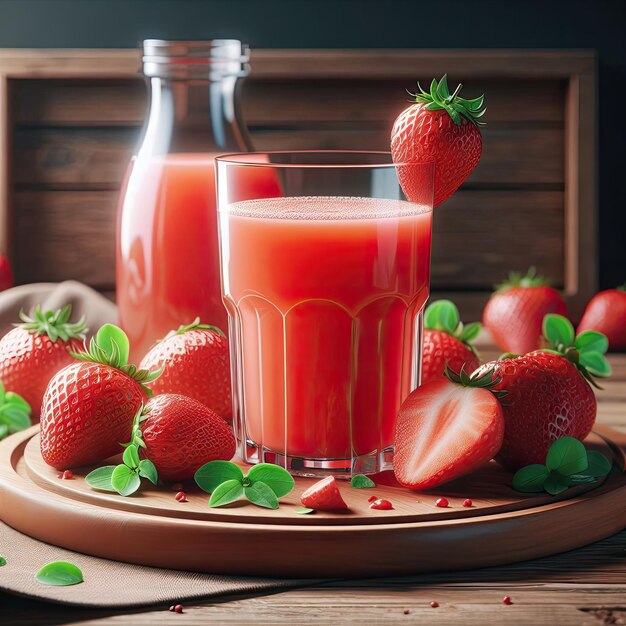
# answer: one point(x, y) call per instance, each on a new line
point(568, 463)
point(124, 478)
point(14, 413)
point(586, 350)
point(443, 315)
point(226, 483)
point(59, 574)
point(360, 481)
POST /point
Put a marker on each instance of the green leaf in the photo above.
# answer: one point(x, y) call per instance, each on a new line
point(101, 478)
point(112, 339)
point(16, 400)
point(131, 456)
point(567, 456)
point(556, 483)
point(214, 473)
point(442, 315)
point(262, 495)
point(226, 493)
point(125, 480)
point(4, 431)
point(278, 479)
point(148, 470)
point(59, 574)
point(597, 464)
point(470, 331)
point(359, 481)
point(302, 510)
point(558, 330)
point(3, 561)
point(595, 363)
point(530, 479)
point(591, 341)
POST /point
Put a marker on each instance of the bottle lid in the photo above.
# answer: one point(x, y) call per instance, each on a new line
point(200, 60)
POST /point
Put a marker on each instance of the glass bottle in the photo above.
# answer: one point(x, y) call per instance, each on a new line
point(167, 270)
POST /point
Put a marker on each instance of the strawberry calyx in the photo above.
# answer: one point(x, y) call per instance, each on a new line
point(443, 316)
point(14, 413)
point(621, 287)
point(586, 350)
point(111, 347)
point(517, 279)
point(440, 98)
point(478, 379)
point(136, 435)
point(195, 325)
point(55, 324)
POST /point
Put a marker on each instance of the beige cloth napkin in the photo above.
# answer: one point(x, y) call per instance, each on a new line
point(114, 584)
point(107, 583)
point(85, 301)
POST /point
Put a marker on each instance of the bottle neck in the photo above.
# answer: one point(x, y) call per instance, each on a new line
point(194, 116)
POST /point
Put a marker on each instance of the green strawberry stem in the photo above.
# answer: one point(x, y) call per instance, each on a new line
point(14, 413)
point(484, 380)
point(586, 350)
point(55, 324)
point(443, 316)
point(195, 325)
point(517, 279)
point(439, 98)
point(111, 347)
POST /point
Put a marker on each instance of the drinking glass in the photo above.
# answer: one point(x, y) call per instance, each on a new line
point(324, 282)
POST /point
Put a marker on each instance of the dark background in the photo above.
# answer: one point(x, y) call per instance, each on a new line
point(600, 25)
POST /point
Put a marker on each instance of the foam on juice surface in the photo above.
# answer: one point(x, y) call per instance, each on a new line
point(325, 208)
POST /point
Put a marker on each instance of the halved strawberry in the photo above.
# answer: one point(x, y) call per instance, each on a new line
point(324, 495)
point(447, 341)
point(446, 429)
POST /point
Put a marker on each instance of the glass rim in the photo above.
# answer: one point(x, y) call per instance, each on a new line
point(239, 159)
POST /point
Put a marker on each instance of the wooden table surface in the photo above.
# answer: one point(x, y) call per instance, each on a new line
point(582, 587)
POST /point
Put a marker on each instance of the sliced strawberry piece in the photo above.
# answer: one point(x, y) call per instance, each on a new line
point(446, 430)
point(324, 495)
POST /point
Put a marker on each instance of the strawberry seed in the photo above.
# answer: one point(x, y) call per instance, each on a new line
point(372, 498)
point(68, 474)
point(442, 502)
point(434, 605)
point(381, 505)
point(178, 608)
point(468, 502)
point(181, 496)
point(507, 600)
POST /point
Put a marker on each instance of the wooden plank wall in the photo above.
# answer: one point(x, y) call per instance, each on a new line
point(72, 138)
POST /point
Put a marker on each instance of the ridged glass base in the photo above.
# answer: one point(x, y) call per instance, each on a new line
point(340, 468)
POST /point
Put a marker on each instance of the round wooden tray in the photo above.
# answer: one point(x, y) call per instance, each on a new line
point(152, 528)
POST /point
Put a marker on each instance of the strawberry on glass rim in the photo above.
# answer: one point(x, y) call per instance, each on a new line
point(89, 407)
point(36, 349)
point(442, 128)
point(448, 428)
point(447, 341)
point(549, 394)
point(515, 311)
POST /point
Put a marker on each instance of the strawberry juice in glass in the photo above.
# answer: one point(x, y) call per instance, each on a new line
point(324, 286)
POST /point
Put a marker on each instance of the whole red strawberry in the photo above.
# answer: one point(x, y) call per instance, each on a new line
point(606, 313)
point(514, 313)
point(440, 128)
point(181, 434)
point(89, 407)
point(548, 392)
point(194, 362)
point(447, 341)
point(33, 352)
point(447, 428)
point(6, 274)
